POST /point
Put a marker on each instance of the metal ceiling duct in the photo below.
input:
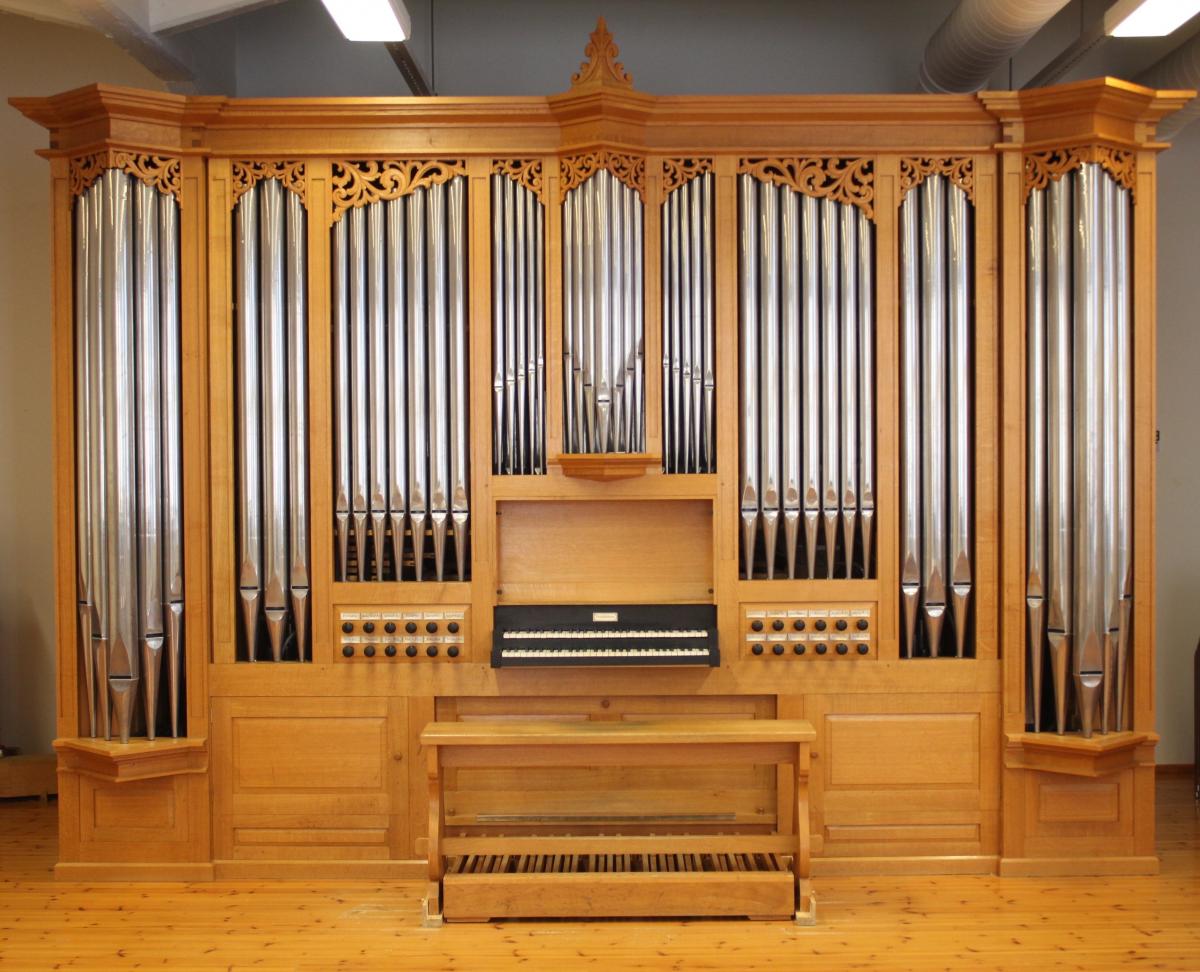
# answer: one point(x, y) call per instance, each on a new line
point(1180, 69)
point(979, 36)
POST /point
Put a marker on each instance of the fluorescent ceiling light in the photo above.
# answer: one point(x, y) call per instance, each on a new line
point(1148, 18)
point(370, 20)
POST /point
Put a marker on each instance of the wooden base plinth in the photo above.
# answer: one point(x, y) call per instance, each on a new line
point(26, 776)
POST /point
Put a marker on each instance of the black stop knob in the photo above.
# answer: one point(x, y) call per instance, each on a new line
point(863, 649)
point(411, 627)
point(390, 627)
point(862, 624)
point(411, 651)
point(431, 627)
point(369, 651)
point(390, 651)
point(756, 625)
point(347, 651)
point(821, 649)
point(369, 627)
point(798, 624)
point(347, 626)
point(842, 649)
point(757, 649)
point(431, 651)
point(841, 624)
point(798, 649)
point(821, 625)
point(452, 627)
point(777, 625)
point(452, 651)
point(778, 649)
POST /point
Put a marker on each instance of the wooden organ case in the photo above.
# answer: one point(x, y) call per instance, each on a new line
point(339, 381)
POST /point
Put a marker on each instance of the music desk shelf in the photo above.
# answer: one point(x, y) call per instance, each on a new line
point(478, 878)
point(138, 759)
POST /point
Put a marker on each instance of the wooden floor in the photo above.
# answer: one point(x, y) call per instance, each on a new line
point(879, 924)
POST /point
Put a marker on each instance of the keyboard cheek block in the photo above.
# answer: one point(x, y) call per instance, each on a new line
point(620, 634)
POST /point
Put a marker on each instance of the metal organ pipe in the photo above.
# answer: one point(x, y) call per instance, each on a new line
point(296, 233)
point(1035, 462)
point(936, 546)
point(603, 343)
point(1085, 431)
point(518, 345)
point(341, 399)
point(128, 461)
point(807, 381)
point(402, 404)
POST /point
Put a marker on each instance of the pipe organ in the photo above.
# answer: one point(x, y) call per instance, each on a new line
point(604, 406)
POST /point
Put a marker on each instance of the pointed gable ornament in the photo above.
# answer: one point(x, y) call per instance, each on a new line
point(602, 66)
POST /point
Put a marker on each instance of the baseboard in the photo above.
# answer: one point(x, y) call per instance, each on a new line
point(1077, 866)
point(901, 866)
point(1174, 769)
point(320, 870)
point(92, 871)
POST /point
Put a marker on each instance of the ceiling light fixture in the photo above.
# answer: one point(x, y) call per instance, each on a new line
point(1148, 18)
point(371, 20)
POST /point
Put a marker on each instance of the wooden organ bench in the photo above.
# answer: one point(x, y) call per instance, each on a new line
point(475, 878)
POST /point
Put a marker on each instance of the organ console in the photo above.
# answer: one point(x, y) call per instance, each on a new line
point(600, 407)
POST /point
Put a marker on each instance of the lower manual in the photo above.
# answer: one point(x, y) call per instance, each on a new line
point(413, 632)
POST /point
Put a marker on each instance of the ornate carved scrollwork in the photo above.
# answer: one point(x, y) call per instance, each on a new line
point(602, 65)
point(960, 170)
point(1042, 168)
point(162, 172)
point(679, 172)
point(359, 183)
point(524, 172)
point(577, 169)
point(246, 174)
point(842, 180)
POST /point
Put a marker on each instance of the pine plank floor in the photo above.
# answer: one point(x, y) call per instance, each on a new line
point(864, 923)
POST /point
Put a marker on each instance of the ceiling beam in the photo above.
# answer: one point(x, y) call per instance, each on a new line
point(126, 23)
point(172, 16)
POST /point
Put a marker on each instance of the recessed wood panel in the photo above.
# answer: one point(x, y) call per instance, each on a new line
point(272, 753)
point(1078, 802)
point(150, 807)
point(927, 749)
point(637, 551)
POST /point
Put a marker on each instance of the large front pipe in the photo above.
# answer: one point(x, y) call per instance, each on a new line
point(587, 251)
point(959, 414)
point(849, 381)
point(98, 491)
point(790, 425)
point(418, 421)
point(698, 285)
point(377, 495)
point(831, 400)
point(172, 416)
point(1035, 461)
point(359, 417)
point(748, 394)
point(500, 244)
point(810, 279)
point(249, 420)
point(459, 399)
point(274, 415)
point(709, 374)
point(639, 326)
point(511, 309)
point(580, 269)
point(1111, 407)
point(683, 241)
point(297, 412)
point(1090, 623)
point(397, 279)
point(149, 446)
point(539, 319)
point(341, 398)
point(619, 295)
point(520, 305)
point(910, 412)
point(1059, 469)
point(1124, 457)
point(866, 386)
point(601, 347)
point(121, 439)
point(83, 452)
point(671, 363)
point(632, 243)
point(933, 406)
point(768, 377)
point(439, 377)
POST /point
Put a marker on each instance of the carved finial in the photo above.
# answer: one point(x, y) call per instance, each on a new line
point(602, 66)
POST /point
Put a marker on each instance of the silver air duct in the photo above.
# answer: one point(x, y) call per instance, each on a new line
point(807, 390)
point(977, 38)
point(128, 455)
point(400, 372)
